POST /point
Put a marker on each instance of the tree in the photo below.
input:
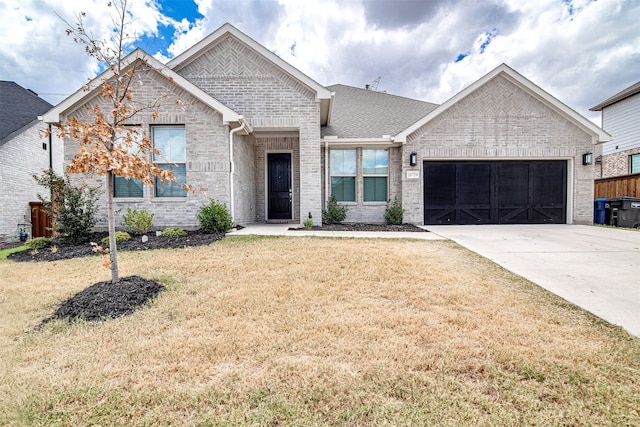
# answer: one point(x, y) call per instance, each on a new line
point(107, 146)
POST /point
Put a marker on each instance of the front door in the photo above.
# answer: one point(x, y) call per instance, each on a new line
point(279, 186)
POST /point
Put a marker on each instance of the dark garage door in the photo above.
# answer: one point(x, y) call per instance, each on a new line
point(495, 192)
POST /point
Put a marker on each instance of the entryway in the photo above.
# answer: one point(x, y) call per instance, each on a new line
point(279, 186)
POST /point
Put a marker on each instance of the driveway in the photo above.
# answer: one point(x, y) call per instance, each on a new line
point(595, 268)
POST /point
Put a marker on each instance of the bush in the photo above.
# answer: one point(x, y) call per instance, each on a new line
point(137, 221)
point(214, 217)
point(393, 213)
point(38, 243)
point(121, 236)
point(72, 209)
point(173, 232)
point(308, 223)
point(334, 214)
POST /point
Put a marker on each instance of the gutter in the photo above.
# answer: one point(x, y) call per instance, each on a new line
point(243, 126)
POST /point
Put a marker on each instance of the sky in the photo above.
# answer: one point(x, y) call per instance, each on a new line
point(580, 51)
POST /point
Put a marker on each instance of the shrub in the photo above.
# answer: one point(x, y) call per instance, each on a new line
point(334, 214)
point(38, 243)
point(214, 217)
point(72, 209)
point(393, 213)
point(121, 236)
point(137, 221)
point(308, 223)
point(173, 232)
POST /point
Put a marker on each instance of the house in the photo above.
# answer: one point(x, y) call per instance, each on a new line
point(621, 118)
point(23, 152)
point(273, 144)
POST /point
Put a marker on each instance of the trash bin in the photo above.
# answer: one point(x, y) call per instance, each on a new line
point(600, 211)
point(624, 212)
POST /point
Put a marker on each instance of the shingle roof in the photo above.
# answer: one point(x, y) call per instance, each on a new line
point(361, 113)
point(626, 93)
point(18, 107)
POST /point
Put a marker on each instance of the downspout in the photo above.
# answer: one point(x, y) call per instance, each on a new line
point(231, 164)
point(50, 148)
point(326, 171)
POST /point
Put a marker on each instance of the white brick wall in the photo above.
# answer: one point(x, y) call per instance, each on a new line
point(501, 121)
point(20, 158)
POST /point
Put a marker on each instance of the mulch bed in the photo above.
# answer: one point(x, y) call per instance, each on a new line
point(104, 300)
point(62, 250)
point(365, 227)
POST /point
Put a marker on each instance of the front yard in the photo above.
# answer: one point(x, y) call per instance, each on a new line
point(311, 331)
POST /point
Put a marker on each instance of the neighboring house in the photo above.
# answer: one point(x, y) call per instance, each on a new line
point(273, 144)
point(621, 118)
point(23, 152)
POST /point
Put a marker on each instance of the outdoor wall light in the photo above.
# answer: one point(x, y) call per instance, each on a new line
point(413, 159)
point(587, 158)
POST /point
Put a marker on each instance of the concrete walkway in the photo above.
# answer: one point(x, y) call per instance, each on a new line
point(596, 268)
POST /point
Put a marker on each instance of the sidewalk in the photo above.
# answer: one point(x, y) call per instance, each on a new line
point(283, 230)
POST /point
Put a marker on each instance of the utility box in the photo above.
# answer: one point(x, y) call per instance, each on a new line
point(624, 212)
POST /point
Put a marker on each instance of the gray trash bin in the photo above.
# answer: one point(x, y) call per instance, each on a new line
point(624, 212)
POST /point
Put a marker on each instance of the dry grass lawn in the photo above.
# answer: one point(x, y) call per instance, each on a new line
point(311, 331)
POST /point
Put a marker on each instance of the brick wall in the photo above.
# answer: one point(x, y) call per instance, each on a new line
point(501, 121)
point(20, 158)
point(616, 164)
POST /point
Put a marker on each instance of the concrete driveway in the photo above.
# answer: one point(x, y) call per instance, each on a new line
point(595, 268)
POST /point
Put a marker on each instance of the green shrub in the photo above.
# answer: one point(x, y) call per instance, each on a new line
point(393, 213)
point(214, 217)
point(308, 223)
point(137, 221)
point(38, 243)
point(72, 209)
point(334, 214)
point(121, 236)
point(173, 232)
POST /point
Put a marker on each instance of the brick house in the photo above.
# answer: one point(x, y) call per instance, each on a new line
point(273, 144)
point(23, 152)
point(621, 118)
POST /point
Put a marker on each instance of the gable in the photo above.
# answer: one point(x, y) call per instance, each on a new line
point(234, 68)
point(527, 87)
point(138, 56)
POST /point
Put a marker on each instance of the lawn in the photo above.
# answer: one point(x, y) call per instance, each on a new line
point(311, 331)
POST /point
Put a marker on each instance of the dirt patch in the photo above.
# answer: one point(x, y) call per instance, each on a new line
point(63, 250)
point(365, 227)
point(105, 300)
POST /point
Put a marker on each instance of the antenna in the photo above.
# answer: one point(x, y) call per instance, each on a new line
point(373, 85)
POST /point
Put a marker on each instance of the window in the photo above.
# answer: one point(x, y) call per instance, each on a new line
point(375, 171)
point(634, 163)
point(343, 175)
point(171, 142)
point(124, 187)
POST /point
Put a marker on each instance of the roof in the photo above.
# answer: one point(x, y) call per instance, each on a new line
point(18, 108)
point(322, 93)
point(361, 113)
point(626, 93)
point(81, 95)
point(526, 85)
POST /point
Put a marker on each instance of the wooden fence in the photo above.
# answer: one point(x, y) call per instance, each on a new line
point(619, 186)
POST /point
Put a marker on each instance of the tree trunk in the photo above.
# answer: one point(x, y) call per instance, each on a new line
point(111, 220)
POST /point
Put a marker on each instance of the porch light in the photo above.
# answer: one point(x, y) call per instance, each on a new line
point(413, 159)
point(587, 158)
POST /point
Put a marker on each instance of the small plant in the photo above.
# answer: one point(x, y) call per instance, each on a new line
point(121, 236)
point(137, 221)
point(393, 213)
point(38, 243)
point(334, 214)
point(214, 217)
point(308, 223)
point(173, 232)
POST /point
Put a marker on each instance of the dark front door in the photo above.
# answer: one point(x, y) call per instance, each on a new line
point(279, 186)
point(495, 192)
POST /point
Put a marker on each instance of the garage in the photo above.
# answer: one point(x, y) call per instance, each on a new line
point(495, 192)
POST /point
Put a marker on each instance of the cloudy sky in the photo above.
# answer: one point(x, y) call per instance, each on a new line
point(580, 51)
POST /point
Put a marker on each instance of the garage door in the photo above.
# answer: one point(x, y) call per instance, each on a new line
point(495, 192)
